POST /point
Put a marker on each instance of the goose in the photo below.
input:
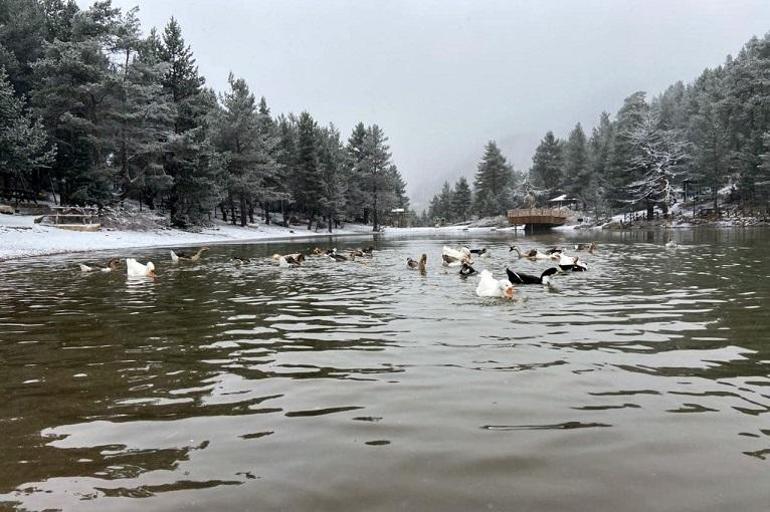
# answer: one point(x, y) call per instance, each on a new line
point(176, 257)
point(591, 248)
point(671, 244)
point(317, 251)
point(332, 254)
point(111, 265)
point(289, 260)
point(467, 270)
point(522, 278)
point(482, 253)
point(417, 265)
point(490, 287)
point(571, 263)
point(136, 269)
point(368, 251)
point(532, 254)
point(454, 257)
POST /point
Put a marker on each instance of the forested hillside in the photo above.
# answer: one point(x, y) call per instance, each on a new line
point(93, 112)
point(709, 138)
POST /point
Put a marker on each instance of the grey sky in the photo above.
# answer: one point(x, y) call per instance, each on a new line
point(444, 77)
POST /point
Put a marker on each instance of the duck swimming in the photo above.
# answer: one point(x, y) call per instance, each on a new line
point(481, 253)
point(289, 260)
point(522, 278)
point(332, 254)
point(571, 263)
point(136, 269)
point(176, 257)
point(591, 248)
point(111, 265)
point(454, 257)
point(532, 254)
point(490, 287)
point(417, 265)
point(467, 270)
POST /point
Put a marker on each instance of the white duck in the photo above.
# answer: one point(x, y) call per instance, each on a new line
point(456, 257)
point(490, 287)
point(136, 269)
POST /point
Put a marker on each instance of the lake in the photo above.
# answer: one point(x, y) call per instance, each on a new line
point(642, 384)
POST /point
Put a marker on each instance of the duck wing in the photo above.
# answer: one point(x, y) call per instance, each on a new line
point(521, 278)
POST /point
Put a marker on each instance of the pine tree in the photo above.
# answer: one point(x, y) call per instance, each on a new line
point(140, 122)
point(578, 176)
point(333, 187)
point(22, 37)
point(462, 200)
point(24, 145)
point(190, 192)
point(286, 160)
point(358, 197)
point(374, 168)
point(494, 183)
point(72, 86)
point(547, 171)
point(306, 189)
point(630, 117)
point(708, 132)
point(656, 166)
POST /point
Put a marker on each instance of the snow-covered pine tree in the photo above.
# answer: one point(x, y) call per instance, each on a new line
point(24, 146)
point(547, 171)
point(139, 123)
point(358, 200)
point(579, 180)
point(656, 166)
point(72, 86)
point(493, 184)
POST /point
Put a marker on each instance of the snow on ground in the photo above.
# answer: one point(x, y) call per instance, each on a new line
point(20, 236)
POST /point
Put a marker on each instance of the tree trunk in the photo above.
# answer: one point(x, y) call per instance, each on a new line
point(244, 211)
point(310, 223)
point(266, 206)
point(375, 216)
point(251, 212)
point(330, 223)
point(650, 210)
point(224, 211)
point(283, 214)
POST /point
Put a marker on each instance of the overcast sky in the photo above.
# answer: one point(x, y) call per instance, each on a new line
point(444, 77)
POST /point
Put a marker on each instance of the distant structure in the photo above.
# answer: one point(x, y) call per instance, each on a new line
point(535, 219)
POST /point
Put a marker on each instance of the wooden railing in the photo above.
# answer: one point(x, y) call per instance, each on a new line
point(554, 216)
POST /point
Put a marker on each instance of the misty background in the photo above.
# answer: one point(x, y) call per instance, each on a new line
point(444, 77)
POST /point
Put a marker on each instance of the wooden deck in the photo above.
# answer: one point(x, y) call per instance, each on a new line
point(72, 218)
point(538, 217)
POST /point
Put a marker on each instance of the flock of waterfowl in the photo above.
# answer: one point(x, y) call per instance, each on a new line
point(461, 257)
point(488, 286)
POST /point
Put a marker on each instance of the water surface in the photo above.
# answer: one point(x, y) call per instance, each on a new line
point(643, 384)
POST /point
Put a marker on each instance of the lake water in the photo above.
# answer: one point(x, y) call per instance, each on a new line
point(642, 384)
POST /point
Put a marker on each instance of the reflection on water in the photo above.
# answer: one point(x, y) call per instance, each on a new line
point(364, 386)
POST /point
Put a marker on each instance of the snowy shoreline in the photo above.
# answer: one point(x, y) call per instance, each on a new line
point(20, 237)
